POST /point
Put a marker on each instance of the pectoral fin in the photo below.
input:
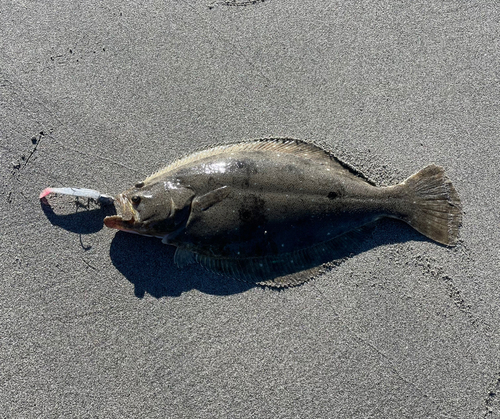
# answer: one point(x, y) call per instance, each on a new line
point(183, 257)
point(204, 202)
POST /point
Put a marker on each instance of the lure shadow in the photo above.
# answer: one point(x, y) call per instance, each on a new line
point(82, 221)
point(149, 264)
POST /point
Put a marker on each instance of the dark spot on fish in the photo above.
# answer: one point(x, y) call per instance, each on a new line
point(295, 171)
point(332, 195)
point(139, 184)
point(247, 169)
point(291, 168)
point(245, 214)
point(248, 166)
point(253, 216)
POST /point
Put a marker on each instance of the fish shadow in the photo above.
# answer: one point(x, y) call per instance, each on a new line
point(149, 264)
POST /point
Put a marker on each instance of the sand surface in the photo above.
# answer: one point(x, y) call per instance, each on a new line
point(96, 323)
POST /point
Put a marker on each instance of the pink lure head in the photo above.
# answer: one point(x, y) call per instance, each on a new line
point(45, 192)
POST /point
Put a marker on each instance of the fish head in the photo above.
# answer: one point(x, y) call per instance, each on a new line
point(150, 209)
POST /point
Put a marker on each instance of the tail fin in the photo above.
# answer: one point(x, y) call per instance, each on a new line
point(436, 211)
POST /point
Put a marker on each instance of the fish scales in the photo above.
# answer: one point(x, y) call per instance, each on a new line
point(276, 203)
point(271, 211)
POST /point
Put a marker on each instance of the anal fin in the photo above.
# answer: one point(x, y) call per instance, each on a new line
point(288, 269)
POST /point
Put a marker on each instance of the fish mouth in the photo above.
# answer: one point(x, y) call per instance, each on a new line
point(126, 220)
point(117, 222)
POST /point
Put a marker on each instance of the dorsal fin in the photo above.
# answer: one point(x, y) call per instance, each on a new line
point(284, 145)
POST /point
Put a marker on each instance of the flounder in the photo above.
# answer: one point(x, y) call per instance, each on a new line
point(272, 211)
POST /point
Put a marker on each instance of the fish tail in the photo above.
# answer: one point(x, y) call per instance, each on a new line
point(434, 205)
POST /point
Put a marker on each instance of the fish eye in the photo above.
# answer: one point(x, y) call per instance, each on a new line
point(136, 199)
point(139, 184)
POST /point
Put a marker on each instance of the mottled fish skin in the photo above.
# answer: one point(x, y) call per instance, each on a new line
point(269, 211)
